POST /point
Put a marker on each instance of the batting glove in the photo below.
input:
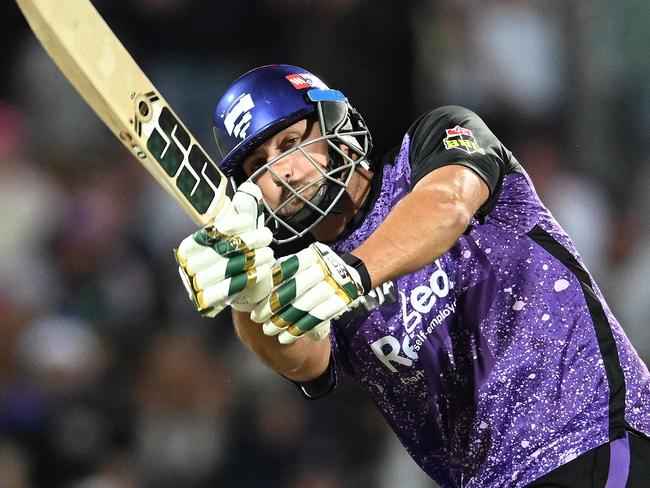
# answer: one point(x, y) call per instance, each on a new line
point(229, 262)
point(312, 287)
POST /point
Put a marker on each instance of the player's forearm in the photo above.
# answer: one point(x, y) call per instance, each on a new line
point(404, 244)
point(303, 360)
point(422, 227)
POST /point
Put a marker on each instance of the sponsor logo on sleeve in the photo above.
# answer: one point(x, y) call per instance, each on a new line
point(461, 138)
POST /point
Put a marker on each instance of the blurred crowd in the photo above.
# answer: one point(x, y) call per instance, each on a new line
point(109, 378)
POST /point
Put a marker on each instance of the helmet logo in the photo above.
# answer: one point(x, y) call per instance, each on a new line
point(238, 118)
point(305, 80)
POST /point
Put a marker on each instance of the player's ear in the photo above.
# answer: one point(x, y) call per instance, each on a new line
point(353, 155)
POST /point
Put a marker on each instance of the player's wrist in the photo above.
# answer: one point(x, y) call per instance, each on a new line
point(359, 266)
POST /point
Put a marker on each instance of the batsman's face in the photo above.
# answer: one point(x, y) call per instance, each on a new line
point(292, 158)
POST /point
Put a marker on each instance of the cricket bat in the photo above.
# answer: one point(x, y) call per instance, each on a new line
point(110, 81)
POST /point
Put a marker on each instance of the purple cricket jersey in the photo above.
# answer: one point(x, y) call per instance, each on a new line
point(500, 361)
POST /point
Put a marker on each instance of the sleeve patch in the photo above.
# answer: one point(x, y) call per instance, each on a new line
point(461, 138)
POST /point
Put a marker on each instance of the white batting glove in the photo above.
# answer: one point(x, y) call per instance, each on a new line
point(313, 287)
point(229, 262)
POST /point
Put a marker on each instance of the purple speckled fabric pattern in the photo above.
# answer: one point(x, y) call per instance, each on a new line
point(488, 368)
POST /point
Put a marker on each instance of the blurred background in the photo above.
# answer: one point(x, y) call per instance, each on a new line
point(108, 377)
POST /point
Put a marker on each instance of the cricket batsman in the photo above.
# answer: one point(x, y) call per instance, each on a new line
point(433, 277)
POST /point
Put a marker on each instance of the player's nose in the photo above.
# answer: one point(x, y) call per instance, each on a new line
point(283, 168)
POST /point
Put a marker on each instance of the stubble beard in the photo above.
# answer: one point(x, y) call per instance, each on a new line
point(294, 203)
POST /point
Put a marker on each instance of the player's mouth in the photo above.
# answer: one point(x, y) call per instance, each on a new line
point(290, 203)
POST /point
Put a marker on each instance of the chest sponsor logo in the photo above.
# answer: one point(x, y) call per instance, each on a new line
point(461, 138)
point(238, 118)
point(414, 307)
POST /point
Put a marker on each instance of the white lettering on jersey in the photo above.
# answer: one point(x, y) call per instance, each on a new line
point(422, 299)
point(392, 355)
point(238, 118)
point(381, 292)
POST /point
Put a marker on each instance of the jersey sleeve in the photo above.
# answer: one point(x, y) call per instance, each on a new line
point(456, 135)
point(338, 367)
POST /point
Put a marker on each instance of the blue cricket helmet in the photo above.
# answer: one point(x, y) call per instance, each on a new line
point(268, 99)
point(259, 104)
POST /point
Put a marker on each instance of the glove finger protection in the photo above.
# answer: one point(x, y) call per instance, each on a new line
point(229, 262)
point(318, 286)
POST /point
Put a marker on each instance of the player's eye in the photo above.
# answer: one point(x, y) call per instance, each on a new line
point(290, 142)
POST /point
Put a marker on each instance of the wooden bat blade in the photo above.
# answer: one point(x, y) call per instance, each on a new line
point(110, 81)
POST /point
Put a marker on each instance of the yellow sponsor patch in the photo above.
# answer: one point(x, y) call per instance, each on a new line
point(462, 138)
